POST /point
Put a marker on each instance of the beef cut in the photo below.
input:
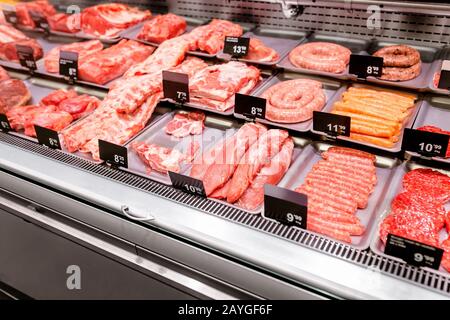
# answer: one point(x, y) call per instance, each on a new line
point(10, 37)
point(109, 19)
point(83, 49)
point(184, 124)
point(168, 55)
point(3, 74)
point(258, 51)
point(109, 64)
point(418, 212)
point(210, 38)
point(62, 22)
point(55, 111)
point(159, 158)
point(13, 93)
point(214, 87)
point(24, 11)
point(270, 173)
point(162, 28)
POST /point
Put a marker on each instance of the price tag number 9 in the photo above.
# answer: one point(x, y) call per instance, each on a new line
point(293, 218)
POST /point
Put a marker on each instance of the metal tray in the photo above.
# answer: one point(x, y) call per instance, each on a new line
point(47, 43)
point(265, 74)
point(435, 111)
point(282, 41)
point(427, 54)
point(435, 70)
point(299, 145)
point(132, 32)
point(356, 45)
point(376, 244)
point(385, 168)
point(39, 88)
point(214, 131)
point(246, 28)
point(330, 87)
point(398, 146)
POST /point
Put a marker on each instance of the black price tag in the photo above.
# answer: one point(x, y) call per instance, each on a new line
point(26, 57)
point(5, 126)
point(286, 206)
point(68, 64)
point(444, 78)
point(47, 137)
point(39, 20)
point(249, 106)
point(428, 144)
point(187, 184)
point(332, 124)
point(236, 46)
point(176, 86)
point(413, 252)
point(364, 66)
point(10, 16)
point(113, 154)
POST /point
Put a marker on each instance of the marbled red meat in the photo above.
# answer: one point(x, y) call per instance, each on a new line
point(162, 28)
point(62, 22)
point(13, 93)
point(184, 124)
point(3, 74)
point(10, 37)
point(109, 64)
point(109, 19)
point(83, 49)
point(24, 12)
point(258, 51)
point(210, 38)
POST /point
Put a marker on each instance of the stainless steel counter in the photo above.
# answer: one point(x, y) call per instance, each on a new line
point(262, 265)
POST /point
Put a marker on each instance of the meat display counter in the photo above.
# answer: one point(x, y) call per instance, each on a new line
point(128, 235)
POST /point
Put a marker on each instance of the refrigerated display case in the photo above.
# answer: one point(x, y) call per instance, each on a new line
point(131, 236)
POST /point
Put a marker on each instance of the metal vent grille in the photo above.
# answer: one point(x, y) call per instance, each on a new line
point(430, 280)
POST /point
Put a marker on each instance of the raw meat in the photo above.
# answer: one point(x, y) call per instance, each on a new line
point(184, 124)
point(62, 22)
point(108, 20)
point(378, 115)
point(270, 173)
point(336, 187)
point(56, 120)
point(57, 96)
point(400, 62)
point(24, 11)
point(214, 87)
point(162, 28)
point(257, 156)
point(107, 124)
point(210, 38)
point(13, 93)
point(437, 130)
point(10, 37)
point(168, 55)
point(55, 111)
point(3, 74)
point(79, 106)
point(227, 158)
point(109, 64)
point(83, 49)
point(321, 56)
point(294, 100)
point(418, 212)
point(159, 158)
point(258, 51)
